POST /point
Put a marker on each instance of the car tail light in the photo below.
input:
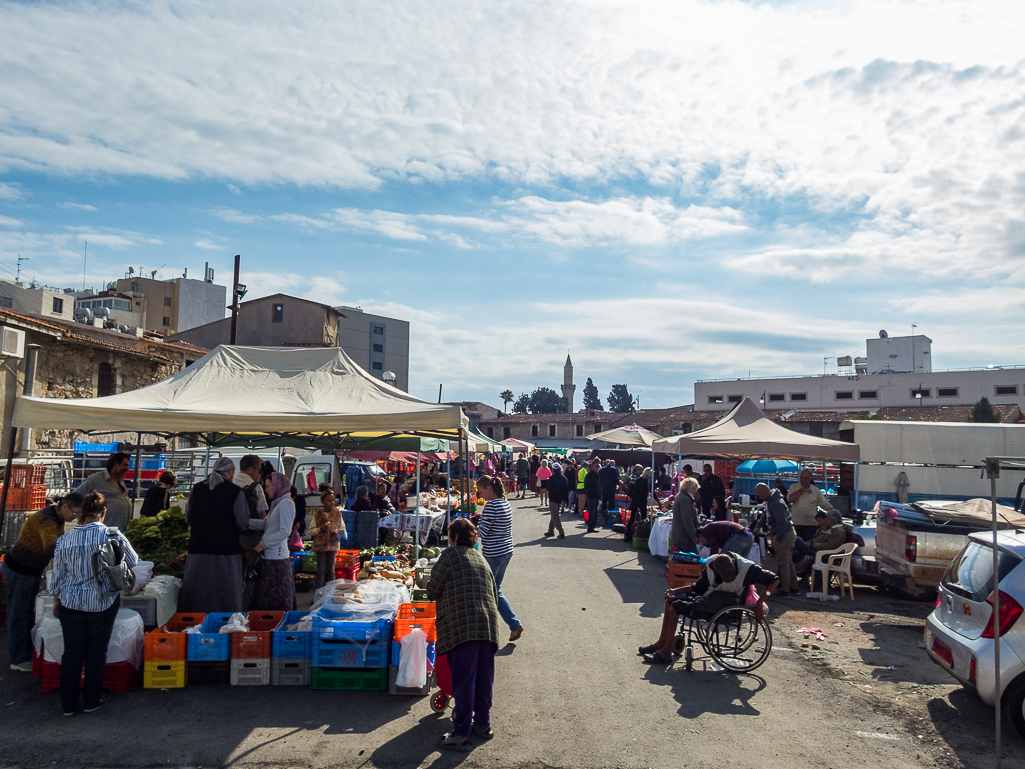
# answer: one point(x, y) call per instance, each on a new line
point(972, 670)
point(911, 548)
point(1010, 610)
point(939, 599)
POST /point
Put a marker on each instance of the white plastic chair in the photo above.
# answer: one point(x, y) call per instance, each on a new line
point(839, 561)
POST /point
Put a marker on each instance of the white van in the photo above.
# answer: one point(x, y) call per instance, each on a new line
point(311, 471)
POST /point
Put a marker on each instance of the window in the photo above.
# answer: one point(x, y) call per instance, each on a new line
point(597, 427)
point(946, 392)
point(580, 431)
point(815, 429)
point(533, 431)
point(378, 348)
point(921, 392)
point(58, 305)
point(135, 285)
point(846, 395)
point(551, 431)
point(278, 314)
point(167, 321)
point(167, 301)
point(104, 380)
point(491, 432)
point(734, 398)
point(6, 301)
point(798, 396)
point(868, 395)
point(1005, 390)
point(506, 433)
point(687, 427)
point(377, 365)
point(777, 397)
point(379, 330)
point(715, 399)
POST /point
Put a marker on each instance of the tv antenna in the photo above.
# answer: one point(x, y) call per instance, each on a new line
point(85, 261)
point(20, 260)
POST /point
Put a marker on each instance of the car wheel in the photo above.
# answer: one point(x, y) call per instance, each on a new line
point(1014, 702)
point(918, 594)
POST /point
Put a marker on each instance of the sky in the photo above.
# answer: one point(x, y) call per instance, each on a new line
point(667, 191)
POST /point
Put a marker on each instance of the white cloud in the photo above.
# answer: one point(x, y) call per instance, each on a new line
point(79, 206)
point(237, 217)
point(391, 225)
point(206, 244)
point(6, 221)
point(234, 190)
point(9, 191)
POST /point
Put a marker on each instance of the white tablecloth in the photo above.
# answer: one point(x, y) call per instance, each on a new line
point(126, 640)
point(658, 540)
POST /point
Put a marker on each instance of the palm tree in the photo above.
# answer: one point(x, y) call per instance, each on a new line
point(507, 398)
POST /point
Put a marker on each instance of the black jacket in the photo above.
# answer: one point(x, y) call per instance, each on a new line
point(558, 487)
point(592, 486)
point(157, 499)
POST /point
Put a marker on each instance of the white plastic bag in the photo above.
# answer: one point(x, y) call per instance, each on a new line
point(413, 660)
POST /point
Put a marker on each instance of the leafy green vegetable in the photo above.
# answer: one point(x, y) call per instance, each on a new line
point(164, 540)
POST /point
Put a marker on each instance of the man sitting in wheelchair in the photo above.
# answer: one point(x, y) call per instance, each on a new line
point(724, 583)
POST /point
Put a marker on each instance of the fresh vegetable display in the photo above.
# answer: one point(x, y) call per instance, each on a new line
point(162, 539)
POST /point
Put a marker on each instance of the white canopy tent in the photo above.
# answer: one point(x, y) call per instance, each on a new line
point(254, 391)
point(746, 433)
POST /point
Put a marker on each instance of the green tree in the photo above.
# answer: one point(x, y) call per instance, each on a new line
point(544, 400)
point(563, 405)
point(507, 398)
point(983, 411)
point(591, 399)
point(621, 401)
point(522, 404)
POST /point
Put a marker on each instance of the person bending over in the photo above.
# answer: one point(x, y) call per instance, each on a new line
point(724, 582)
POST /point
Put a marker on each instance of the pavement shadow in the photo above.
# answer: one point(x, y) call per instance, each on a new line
point(966, 723)
point(415, 746)
point(895, 653)
point(701, 691)
point(635, 585)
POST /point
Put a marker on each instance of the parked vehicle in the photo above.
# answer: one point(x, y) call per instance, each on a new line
point(916, 543)
point(864, 565)
point(311, 471)
point(960, 634)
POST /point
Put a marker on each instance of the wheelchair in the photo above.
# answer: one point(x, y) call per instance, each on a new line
point(733, 637)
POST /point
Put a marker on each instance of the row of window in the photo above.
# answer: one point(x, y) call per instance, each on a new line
point(535, 431)
point(863, 395)
point(113, 304)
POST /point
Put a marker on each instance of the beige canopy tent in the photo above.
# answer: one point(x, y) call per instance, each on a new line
point(747, 433)
point(298, 393)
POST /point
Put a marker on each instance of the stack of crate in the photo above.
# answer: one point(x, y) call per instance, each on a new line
point(290, 653)
point(350, 654)
point(683, 574)
point(251, 651)
point(347, 564)
point(412, 616)
point(208, 662)
point(27, 488)
point(166, 653)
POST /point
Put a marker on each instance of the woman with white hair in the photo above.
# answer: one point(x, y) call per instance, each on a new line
point(217, 513)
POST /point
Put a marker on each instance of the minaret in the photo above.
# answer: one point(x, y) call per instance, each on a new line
point(568, 388)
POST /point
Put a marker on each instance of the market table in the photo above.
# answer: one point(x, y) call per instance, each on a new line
point(658, 540)
point(407, 522)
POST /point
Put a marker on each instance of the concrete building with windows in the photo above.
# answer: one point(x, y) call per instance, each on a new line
point(16, 296)
point(378, 344)
point(171, 306)
point(896, 373)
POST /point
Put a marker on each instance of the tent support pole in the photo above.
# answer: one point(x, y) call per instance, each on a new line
point(448, 488)
point(12, 444)
point(138, 467)
point(993, 471)
point(857, 484)
point(416, 546)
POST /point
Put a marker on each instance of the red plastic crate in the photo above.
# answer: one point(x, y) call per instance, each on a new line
point(118, 677)
point(349, 574)
point(255, 643)
point(35, 497)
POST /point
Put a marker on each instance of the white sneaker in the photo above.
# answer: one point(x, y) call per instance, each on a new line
point(25, 667)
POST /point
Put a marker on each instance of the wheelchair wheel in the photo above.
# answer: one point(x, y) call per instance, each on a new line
point(679, 644)
point(738, 641)
point(688, 657)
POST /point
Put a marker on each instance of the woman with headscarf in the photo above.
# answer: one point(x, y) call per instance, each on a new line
point(275, 587)
point(217, 513)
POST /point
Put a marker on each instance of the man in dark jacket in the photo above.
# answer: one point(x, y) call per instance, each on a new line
point(712, 488)
point(608, 479)
point(592, 494)
point(558, 495)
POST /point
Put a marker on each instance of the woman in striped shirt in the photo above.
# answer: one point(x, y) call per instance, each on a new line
point(86, 603)
point(495, 530)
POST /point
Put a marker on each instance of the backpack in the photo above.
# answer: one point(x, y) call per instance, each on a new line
point(111, 565)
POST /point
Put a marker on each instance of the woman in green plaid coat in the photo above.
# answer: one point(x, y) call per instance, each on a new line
point(464, 588)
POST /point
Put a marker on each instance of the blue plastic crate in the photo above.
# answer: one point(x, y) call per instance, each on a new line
point(341, 643)
point(379, 558)
point(292, 644)
point(210, 645)
point(84, 447)
point(396, 652)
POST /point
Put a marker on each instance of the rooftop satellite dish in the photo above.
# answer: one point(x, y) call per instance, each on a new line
point(131, 270)
point(883, 334)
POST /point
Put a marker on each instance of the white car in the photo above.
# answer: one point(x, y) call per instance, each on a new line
point(959, 634)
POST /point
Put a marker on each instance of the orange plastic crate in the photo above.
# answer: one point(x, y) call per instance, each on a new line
point(256, 643)
point(417, 615)
point(169, 643)
point(347, 559)
point(428, 610)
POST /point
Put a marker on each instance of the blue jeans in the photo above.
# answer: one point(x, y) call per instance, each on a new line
point(498, 567)
point(86, 637)
point(739, 544)
point(21, 613)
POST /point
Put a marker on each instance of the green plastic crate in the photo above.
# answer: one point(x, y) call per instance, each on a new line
point(418, 595)
point(349, 679)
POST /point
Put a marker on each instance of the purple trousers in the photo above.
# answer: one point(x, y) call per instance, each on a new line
point(473, 685)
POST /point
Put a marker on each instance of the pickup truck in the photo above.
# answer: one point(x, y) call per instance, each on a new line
point(914, 544)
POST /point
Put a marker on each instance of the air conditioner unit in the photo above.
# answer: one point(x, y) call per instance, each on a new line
point(12, 343)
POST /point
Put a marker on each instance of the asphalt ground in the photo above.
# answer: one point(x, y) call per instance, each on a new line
point(572, 692)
